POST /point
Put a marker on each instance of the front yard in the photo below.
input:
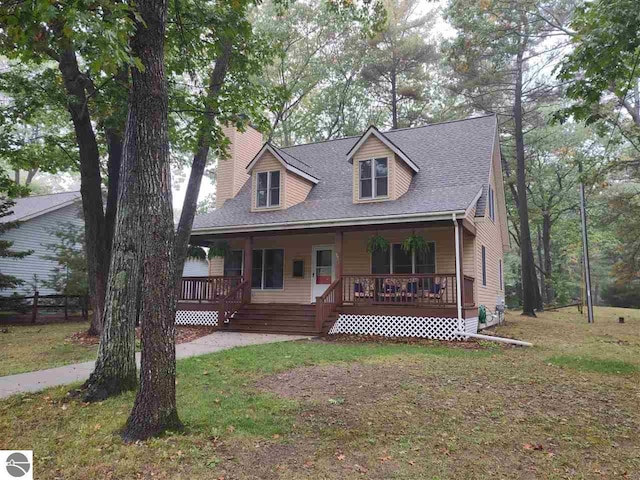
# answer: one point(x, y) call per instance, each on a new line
point(567, 408)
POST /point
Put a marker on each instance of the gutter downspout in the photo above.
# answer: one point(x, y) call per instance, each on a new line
point(458, 280)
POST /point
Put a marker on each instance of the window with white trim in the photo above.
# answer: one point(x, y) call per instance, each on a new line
point(397, 261)
point(267, 271)
point(492, 206)
point(268, 189)
point(374, 178)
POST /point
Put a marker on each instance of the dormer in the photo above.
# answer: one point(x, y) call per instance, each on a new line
point(381, 171)
point(278, 180)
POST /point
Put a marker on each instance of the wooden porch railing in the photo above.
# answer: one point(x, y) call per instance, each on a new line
point(327, 303)
point(468, 288)
point(232, 302)
point(207, 289)
point(435, 289)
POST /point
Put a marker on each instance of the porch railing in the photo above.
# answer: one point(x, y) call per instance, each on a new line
point(469, 299)
point(327, 303)
point(434, 289)
point(232, 302)
point(207, 289)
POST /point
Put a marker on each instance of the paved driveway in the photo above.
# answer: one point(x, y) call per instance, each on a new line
point(41, 379)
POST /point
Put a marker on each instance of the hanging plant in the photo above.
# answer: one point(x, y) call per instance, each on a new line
point(377, 243)
point(218, 249)
point(196, 253)
point(415, 243)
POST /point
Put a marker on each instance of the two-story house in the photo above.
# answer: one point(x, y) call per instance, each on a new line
point(397, 233)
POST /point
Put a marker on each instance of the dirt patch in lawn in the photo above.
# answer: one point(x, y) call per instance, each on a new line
point(184, 334)
point(376, 339)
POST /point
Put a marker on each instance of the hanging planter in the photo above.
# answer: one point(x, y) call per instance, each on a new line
point(196, 253)
point(377, 243)
point(415, 243)
point(219, 249)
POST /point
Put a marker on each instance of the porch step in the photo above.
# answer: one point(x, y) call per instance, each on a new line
point(285, 319)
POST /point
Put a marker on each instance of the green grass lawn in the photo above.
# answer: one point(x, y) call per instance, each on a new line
point(26, 348)
point(567, 408)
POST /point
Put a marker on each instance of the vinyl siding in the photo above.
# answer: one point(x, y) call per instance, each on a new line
point(489, 235)
point(36, 234)
point(232, 173)
point(403, 176)
point(297, 189)
point(195, 268)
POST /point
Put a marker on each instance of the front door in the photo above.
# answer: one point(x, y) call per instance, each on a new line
point(322, 269)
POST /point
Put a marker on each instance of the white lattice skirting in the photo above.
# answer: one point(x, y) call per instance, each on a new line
point(197, 317)
point(438, 328)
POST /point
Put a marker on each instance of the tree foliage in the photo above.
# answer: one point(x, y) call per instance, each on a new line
point(70, 275)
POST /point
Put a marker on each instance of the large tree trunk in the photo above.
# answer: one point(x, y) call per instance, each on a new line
point(190, 205)
point(90, 181)
point(530, 291)
point(394, 101)
point(154, 409)
point(115, 370)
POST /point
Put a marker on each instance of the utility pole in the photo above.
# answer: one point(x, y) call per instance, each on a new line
point(585, 247)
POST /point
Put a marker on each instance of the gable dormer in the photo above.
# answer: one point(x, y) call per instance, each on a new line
point(278, 180)
point(381, 171)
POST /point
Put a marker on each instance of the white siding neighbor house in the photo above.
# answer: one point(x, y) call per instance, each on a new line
point(40, 216)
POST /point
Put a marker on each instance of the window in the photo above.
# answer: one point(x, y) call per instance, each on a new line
point(233, 263)
point(267, 272)
point(268, 189)
point(484, 266)
point(374, 178)
point(492, 209)
point(397, 261)
point(500, 274)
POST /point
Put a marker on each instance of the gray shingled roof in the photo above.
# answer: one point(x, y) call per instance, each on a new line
point(454, 160)
point(29, 207)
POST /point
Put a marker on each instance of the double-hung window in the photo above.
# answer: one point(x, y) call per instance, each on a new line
point(374, 178)
point(268, 189)
point(397, 261)
point(267, 272)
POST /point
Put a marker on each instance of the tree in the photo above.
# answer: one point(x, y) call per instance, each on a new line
point(154, 409)
point(9, 281)
point(500, 59)
point(397, 62)
point(70, 276)
point(78, 51)
point(604, 68)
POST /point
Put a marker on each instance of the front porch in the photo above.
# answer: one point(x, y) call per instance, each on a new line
point(315, 283)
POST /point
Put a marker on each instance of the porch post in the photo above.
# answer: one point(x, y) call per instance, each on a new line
point(461, 237)
point(339, 265)
point(457, 243)
point(247, 266)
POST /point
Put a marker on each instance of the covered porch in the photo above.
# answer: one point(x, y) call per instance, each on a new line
point(333, 274)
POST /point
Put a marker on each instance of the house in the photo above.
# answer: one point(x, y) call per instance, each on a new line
point(297, 228)
point(40, 216)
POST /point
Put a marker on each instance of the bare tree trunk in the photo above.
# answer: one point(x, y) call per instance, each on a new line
point(530, 291)
point(190, 204)
point(394, 101)
point(540, 261)
point(115, 148)
point(90, 181)
point(115, 370)
point(154, 409)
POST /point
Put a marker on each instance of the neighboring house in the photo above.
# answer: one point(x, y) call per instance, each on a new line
point(40, 217)
point(296, 223)
point(194, 267)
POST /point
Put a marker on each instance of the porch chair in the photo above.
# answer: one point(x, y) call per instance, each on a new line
point(437, 289)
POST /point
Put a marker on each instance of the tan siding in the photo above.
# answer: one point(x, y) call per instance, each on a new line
point(488, 234)
point(372, 148)
point(297, 189)
point(403, 176)
point(267, 163)
point(231, 173)
point(216, 266)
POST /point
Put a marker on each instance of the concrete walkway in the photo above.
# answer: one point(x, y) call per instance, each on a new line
point(41, 379)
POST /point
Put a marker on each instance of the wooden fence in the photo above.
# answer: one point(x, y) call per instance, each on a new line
point(43, 308)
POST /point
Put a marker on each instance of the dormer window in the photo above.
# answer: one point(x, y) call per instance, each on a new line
point(268, 189)
point(374, 178)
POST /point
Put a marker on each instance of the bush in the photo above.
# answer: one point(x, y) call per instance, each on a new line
point(627, 295)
